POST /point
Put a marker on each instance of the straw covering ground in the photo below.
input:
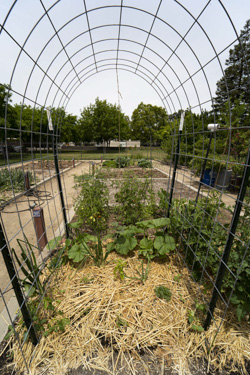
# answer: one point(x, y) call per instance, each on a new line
point(114, 322)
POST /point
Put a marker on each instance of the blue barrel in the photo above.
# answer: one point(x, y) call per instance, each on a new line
point(209, 177)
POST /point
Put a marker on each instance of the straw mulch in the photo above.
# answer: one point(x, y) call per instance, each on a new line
point(114, 323)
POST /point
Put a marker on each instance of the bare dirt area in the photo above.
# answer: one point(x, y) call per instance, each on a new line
point(133, 172)
point(18, 220)
point(159, 181)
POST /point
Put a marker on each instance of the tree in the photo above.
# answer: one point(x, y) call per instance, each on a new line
point(5, 97)
point(34, 123)
point(148, 121)
point(232, 102)
point(100, 122)
point(69, 129)
point(235, 84)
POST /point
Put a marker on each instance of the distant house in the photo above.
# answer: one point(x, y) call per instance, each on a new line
point(124, 144)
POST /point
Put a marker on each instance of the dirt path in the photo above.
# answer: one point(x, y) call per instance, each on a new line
point(18, 220)
point(190, 181)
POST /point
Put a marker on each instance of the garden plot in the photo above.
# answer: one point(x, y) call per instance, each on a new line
point(157, 180)
point(38, 171)
point(119, 300)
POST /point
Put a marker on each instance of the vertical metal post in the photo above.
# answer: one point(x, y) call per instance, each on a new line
point(229, 243)
point(204, 167)
point(151, 161)
point(16, 287)
point(27, 184)
point(177, 152)
point(60, 186)
point(212, 128)
point(40, 227)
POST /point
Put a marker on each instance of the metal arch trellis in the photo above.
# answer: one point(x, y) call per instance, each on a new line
point(117, 63)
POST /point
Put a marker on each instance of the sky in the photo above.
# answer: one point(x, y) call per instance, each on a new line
point(171, 53)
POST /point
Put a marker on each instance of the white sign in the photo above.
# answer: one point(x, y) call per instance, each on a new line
point(49, 119)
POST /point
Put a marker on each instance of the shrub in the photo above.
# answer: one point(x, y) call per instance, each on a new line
point(92, 204)
point(144, 163)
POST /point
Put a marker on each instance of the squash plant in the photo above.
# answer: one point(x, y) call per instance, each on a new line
point(85, 246)
point(158, 244)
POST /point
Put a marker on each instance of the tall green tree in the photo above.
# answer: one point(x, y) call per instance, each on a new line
point(69, 129)
point(235, 84)
point(101, 122)
point(147, 122)
point(5, 97)
point(232, 102)
point(33, 122)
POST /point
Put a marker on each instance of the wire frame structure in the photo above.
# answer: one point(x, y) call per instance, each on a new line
point(50, 50)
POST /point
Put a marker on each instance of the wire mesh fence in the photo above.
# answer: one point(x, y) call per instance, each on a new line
point(203, 158)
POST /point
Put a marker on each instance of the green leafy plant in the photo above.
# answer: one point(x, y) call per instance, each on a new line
point(144, 163)
point(40, 297)
point(142, 272)
point(14, 178)
point(52, 321)
point(29, 267)
point(56, 325)
point(163, 202)
point(109, 164)
point(92, 204)
point(119, 269)
point(122, 161)
point(9, 333)
point(163, 292)
point(204, 230)
point(161, 243)
point(121, 322)
point(124, 240)
point(86, 246)
point(178, 277)
point(193, 319)
point(134, 198)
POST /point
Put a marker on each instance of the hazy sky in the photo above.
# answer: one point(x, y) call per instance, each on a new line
point(169, 60)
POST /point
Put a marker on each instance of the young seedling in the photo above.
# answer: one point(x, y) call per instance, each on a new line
point(163, 292)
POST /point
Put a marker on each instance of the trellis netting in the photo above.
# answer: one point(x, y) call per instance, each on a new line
point(193, 58)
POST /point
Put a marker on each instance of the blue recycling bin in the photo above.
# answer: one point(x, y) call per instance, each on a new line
point(209, 177)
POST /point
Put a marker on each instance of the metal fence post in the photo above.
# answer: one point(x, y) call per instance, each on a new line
point(16, 287)
point(177, 152)
point(229, 243)
point(60, 186)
